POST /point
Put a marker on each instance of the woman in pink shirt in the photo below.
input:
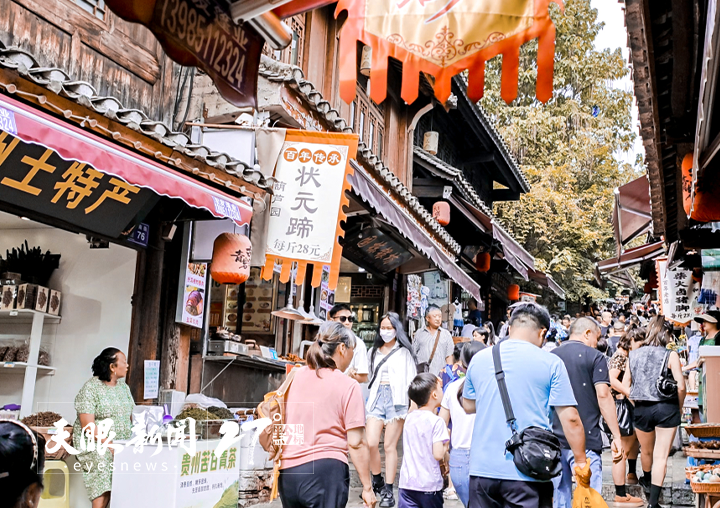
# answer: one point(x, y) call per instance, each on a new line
point(325, 417)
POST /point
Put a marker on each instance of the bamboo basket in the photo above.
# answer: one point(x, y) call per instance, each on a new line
point(691, 471)
point(705, 488)
point(704, 430)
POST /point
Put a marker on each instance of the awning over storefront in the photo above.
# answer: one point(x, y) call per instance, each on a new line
point(631, 257)
point(632, 215)
point(545, 280)
point(73, 143)
point(373, 194)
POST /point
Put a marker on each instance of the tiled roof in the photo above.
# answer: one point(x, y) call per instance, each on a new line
point(489, 126)
point(294, 77)
point(58, 81)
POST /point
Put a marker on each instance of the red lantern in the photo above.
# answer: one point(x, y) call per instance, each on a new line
point(482, 262)
point(441, 212)
point(687, 164)
point(514, 292)
point(231, 259)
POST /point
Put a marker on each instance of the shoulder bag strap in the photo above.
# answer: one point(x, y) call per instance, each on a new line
point(504, 396)
point(437, 339)
point(664, 367)
point(377, 370)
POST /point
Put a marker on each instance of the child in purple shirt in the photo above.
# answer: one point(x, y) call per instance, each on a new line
point(425, 442)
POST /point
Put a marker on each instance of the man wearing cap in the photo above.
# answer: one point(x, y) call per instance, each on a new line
point(711, 337)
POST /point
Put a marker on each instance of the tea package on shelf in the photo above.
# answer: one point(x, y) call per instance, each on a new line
point(7, 298)
point(54, 302)
point(27, 296)
point(43, 295)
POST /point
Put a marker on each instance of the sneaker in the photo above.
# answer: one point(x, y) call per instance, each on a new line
point(450, 494)
point(631, 479)
point(644, 482)
point(628, 501)
point(387, 500)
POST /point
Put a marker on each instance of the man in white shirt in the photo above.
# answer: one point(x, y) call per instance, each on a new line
point(358, 369)
point(425, 339)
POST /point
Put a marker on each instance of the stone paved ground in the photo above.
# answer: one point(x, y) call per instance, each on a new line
point(676, 493)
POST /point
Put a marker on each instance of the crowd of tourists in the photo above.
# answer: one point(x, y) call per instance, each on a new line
point(472, 415)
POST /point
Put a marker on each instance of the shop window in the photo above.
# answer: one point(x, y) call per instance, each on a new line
point(353, 107)
point(361, 125)
point(95, 7)
point(380, 137)
point(371, 135)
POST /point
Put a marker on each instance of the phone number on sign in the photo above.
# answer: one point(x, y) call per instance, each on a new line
point(217, 48)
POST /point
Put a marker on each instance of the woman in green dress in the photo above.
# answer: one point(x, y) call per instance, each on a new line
point(104, 396)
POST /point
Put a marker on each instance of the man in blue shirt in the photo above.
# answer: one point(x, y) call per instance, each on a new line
point(536, 381)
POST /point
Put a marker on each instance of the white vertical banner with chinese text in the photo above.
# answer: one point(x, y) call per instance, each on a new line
point(193, 310)
point(306, 208)
point(678, 293)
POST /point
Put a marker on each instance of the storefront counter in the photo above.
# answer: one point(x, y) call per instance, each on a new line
point(173, 478)
point(240, 381)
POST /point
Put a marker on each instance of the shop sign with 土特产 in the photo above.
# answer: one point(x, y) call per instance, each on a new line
point(678, 293)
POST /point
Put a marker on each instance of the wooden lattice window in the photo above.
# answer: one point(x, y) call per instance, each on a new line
point(95, 7)
point(370, 125)
point(293, 54)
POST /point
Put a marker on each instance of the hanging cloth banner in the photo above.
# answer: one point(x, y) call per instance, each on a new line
point(678, 292)
point(307, 205)
point(441, 39)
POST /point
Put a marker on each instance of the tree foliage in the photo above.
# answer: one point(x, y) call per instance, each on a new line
point(568, 149)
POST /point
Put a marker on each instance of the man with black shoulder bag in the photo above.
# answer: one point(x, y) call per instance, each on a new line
point(514, 454)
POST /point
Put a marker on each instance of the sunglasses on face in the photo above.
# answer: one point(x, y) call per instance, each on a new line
point(343, 319)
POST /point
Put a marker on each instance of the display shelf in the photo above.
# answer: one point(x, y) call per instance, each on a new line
point(249, 361)
point(8, 367)
point(702, 454)
point(25, 316)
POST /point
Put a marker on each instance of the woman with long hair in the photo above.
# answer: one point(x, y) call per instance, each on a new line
point(328, 406)
point(22, 460)
point(462, 427)
point(657, 413)
point(624, 409)
point(492, 338)
point(392, 369)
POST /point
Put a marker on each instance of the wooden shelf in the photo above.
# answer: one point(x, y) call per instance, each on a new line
point(9, 367)
point(700, 453)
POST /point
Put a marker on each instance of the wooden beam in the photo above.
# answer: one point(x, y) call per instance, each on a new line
point(480, 157)
point(505, 195)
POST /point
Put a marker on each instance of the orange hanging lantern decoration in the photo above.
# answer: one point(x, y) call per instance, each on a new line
point(441, 212)
point(231, 259)
point(442, 41)
point(687, 178)
point(514, 292)
point(482, 262)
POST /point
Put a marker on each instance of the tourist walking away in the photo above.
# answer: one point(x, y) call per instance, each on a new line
point(452, 372)
point(22, 460)
point(657, 388)
point(625, 411)
point(536, 382)
point(709, 328)
point(588, 371)
point(433, 344)
point(328, 406)
point(462, 424)
point(425, 443)
point(392, 363)
point(104, 396)
point(358, 369)
point(616, 331)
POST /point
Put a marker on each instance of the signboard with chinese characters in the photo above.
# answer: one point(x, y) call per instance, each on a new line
point(306, 208)
point(200, 33)
point(377, 249)
point(678, 293)
point(152, 379)
point(207, 480)
point(193, 309)
point(36, 178)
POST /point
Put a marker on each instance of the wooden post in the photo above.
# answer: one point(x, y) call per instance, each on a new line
point(145, 327)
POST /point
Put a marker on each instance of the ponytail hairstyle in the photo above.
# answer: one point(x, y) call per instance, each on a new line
point(330, 336)
point(101, 364)
point(400, 336)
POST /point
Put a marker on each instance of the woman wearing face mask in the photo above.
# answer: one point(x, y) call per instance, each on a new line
point(392, 368)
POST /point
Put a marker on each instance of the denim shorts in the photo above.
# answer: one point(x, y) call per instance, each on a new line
point(383, 407)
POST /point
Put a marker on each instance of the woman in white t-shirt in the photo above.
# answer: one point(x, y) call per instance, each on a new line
point(392, 369)
point(462, 427)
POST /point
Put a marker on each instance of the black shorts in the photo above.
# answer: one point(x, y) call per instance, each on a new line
point(323, 483)
point(416, 499)
point(491, 493)
point(648, 415)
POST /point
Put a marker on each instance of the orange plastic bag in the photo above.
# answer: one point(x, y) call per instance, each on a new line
point(584, 496)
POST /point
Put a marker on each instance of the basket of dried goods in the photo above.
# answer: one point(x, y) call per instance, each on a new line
point(704, 430)
point(692, 471)
point(706, 481)
point(44, 423)
point(713, 444)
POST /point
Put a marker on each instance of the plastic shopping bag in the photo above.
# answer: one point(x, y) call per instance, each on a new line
point(584, 496)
